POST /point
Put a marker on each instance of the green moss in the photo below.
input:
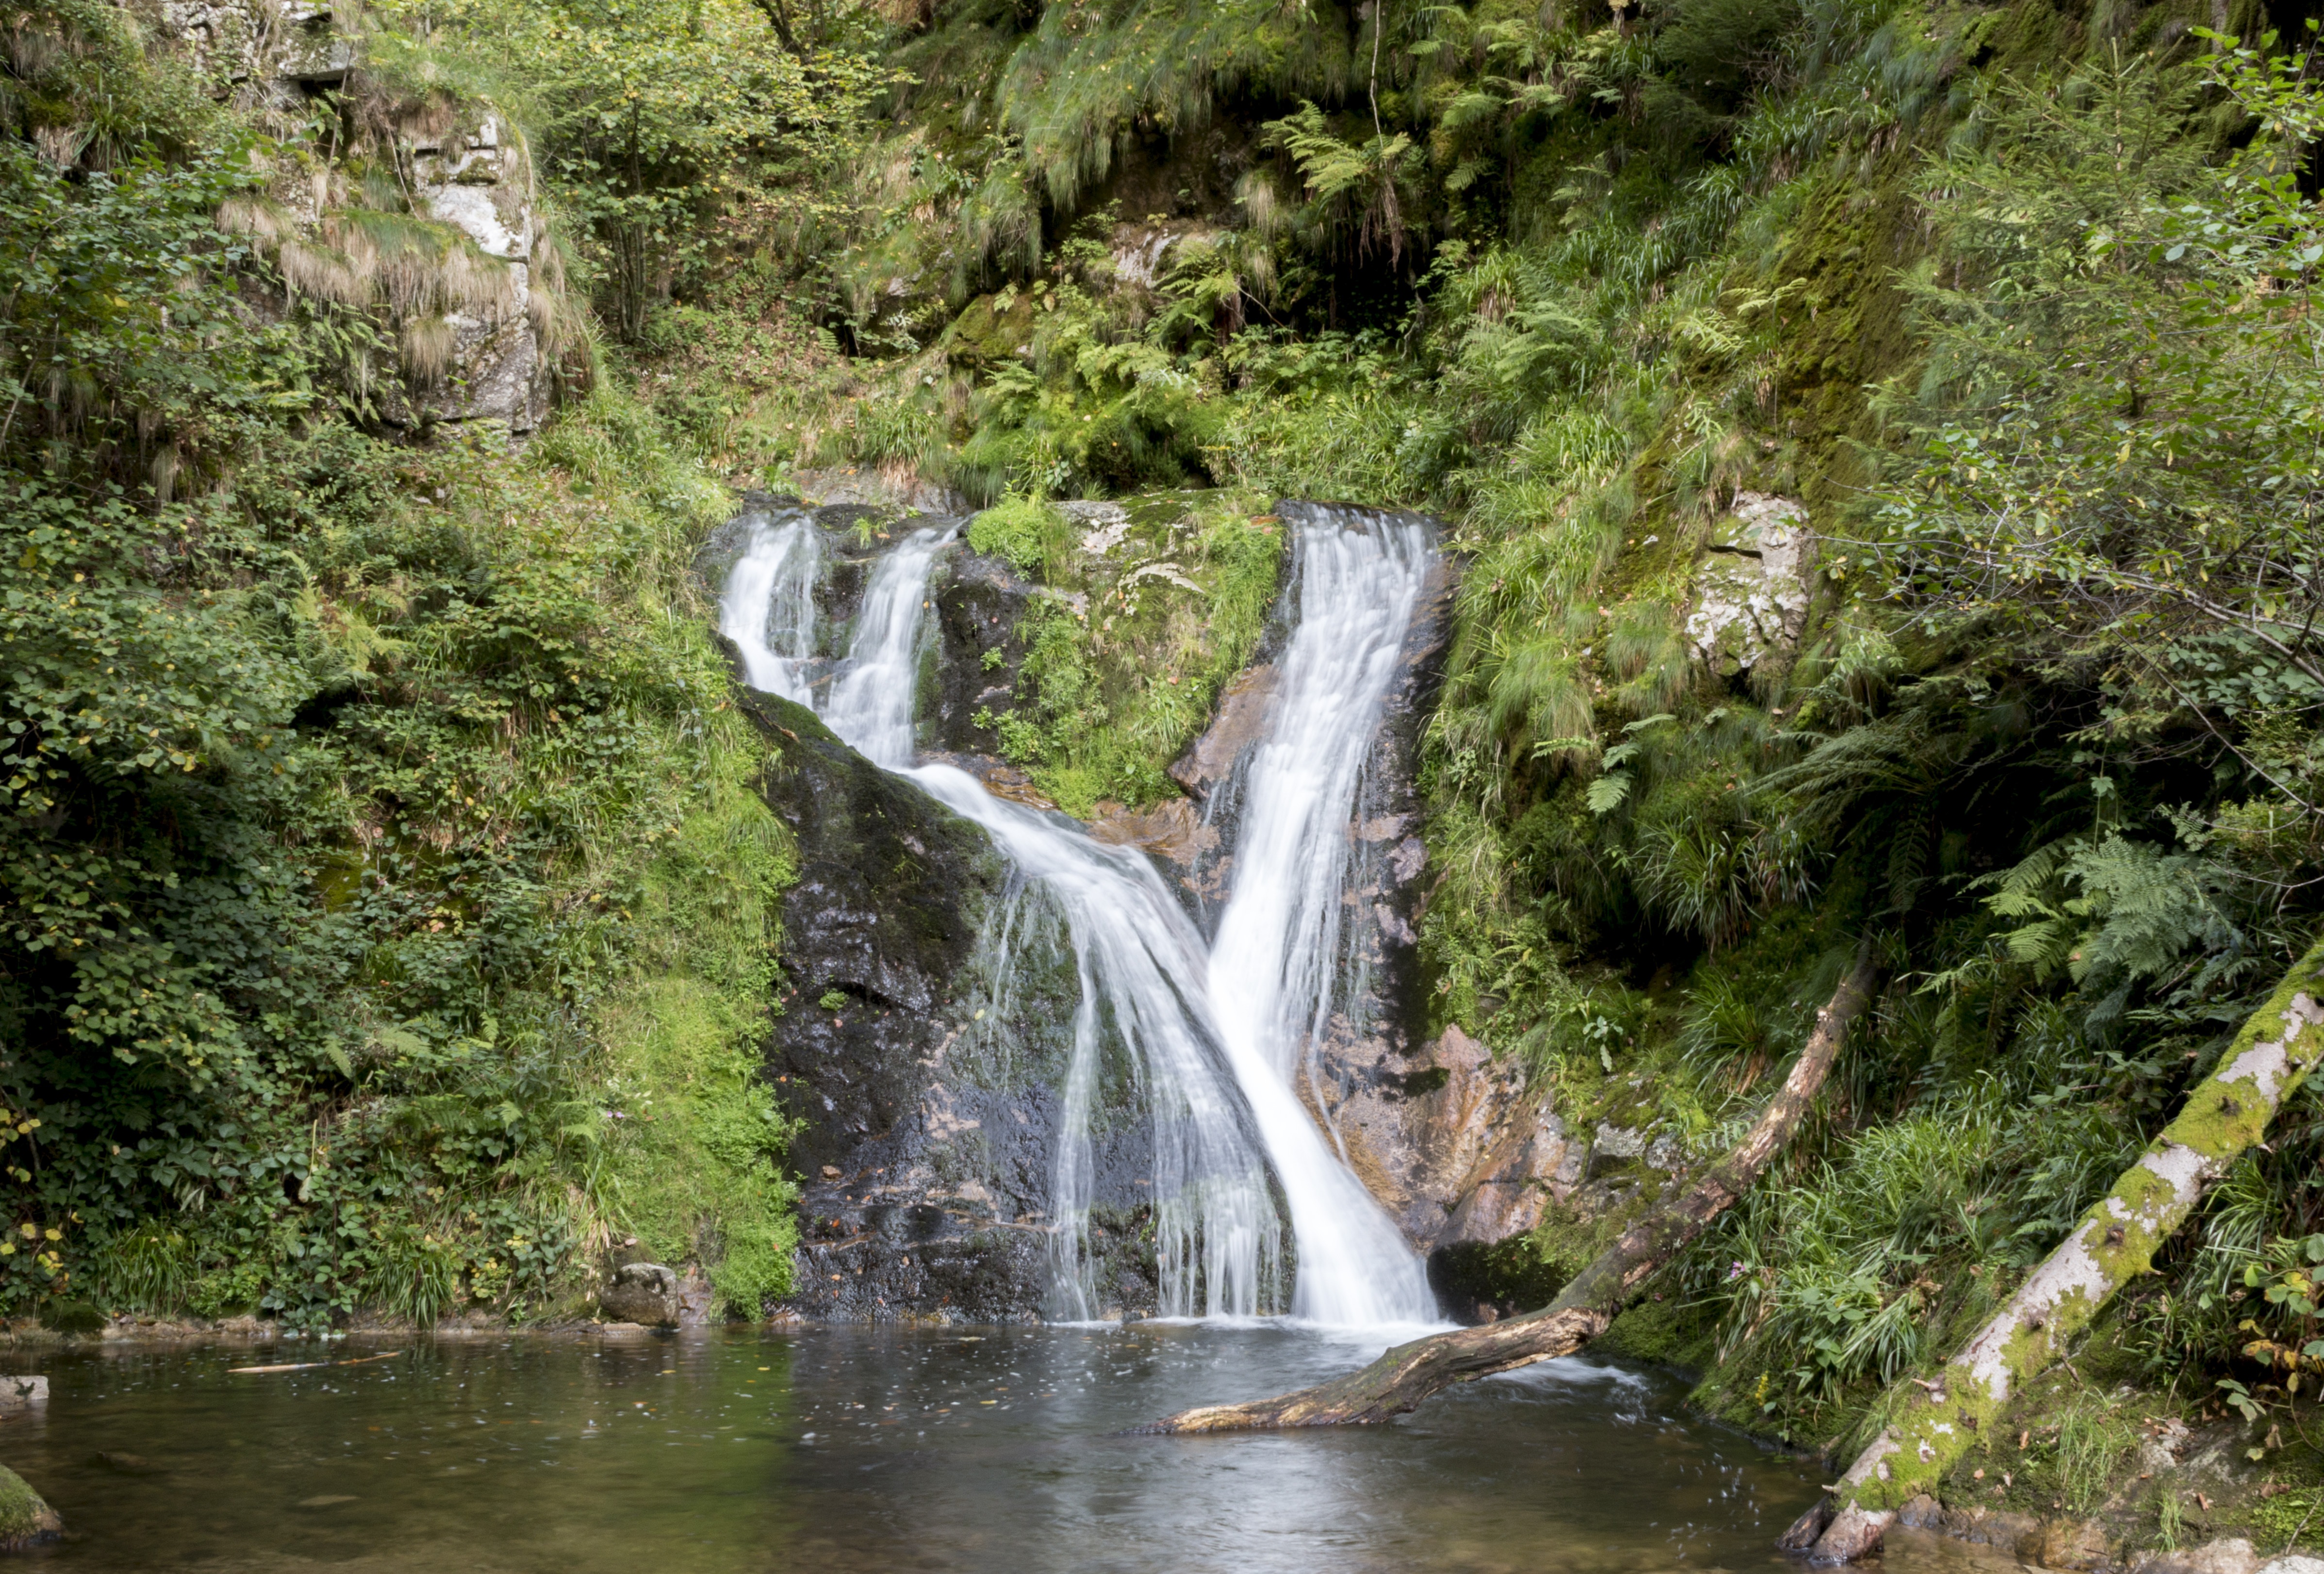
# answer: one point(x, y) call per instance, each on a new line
point(1666, 1331)
point(1028, 532)
point(72, 1316)
point(1108, 697)
point(691, 1165)
point(24, 1517)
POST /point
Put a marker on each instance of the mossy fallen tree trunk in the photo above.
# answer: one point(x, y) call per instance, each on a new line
point(2116, 1240)
point(1410, 1372)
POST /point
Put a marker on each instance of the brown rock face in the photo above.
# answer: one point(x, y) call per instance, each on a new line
point(1454, 1146)
point(1172, 831)
point(1242, 720)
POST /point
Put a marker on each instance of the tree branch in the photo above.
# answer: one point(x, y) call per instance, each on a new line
point(2116, 1240)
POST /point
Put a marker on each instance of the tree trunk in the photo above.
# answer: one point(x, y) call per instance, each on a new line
point(2116, 1240)
point(1411, 1372)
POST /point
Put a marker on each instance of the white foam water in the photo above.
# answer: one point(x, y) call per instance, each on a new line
point(1217, 1080)
point(768, 607)
point(1278, 949)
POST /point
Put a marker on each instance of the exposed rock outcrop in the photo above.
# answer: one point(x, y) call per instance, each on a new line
point(1456, 1147)
point(1751, 588)
point(478, 181)
point(476, 317)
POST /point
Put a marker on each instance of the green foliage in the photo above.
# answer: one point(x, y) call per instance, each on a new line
point(1023, 530)
point(1106, 700)
point(1877, 1260)
point(337, 769)
point(689, 1160)
point(2151, 497)
point(659, 120)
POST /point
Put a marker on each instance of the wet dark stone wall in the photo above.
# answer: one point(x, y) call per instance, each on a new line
point(926, 1082)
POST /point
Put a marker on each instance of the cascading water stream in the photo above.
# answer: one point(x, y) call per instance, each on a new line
point(768, 608)
point(1278, 953)
point(1220, 1100)
point(1218, 1239)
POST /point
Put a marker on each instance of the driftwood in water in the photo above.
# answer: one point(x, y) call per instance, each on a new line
point(2225, 1115)
point(1410, 1372)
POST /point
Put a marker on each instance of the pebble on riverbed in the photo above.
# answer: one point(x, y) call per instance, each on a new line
point(26, 1519)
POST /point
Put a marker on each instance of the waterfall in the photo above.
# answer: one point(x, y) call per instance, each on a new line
point(1215, 1081)
point(1217, 1239)
point(768, 608)
point(1278, 950)
point(874, 690)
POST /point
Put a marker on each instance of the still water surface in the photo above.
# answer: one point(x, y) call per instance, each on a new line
point(851, 1450)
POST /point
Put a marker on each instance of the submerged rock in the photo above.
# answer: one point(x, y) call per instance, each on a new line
point(25, 1518)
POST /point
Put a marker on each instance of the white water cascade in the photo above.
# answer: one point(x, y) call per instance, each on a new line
point(1219, 1095)
point(768, 608)
point(1278, 947)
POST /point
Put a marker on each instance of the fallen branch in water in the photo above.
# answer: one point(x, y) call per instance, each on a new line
point(1410, 1372)
point(311, 1366)
point(2116, 1240)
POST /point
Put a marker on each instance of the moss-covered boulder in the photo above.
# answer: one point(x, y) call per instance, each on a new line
point(25, 1518)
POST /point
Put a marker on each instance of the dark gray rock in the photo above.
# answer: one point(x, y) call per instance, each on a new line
point(979, 602)
point(926, 1080)
point(646, 1294)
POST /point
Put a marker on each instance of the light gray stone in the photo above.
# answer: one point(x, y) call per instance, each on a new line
point(1751, 589)
point(2295, 1563)
point(1619, 1142)
point(2228, 1555)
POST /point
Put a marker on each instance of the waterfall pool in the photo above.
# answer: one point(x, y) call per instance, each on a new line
point(848, 1449)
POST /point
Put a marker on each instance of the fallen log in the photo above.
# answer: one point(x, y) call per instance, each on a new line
point(1411, 1372)
point(2116, 1240)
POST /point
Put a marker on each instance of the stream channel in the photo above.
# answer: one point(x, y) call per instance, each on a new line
point(997, 1447)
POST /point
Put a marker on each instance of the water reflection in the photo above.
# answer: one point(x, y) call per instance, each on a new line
point(857, 1449)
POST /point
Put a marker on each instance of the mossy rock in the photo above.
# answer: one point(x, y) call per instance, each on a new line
point(74, 1316)
point(25, 1518)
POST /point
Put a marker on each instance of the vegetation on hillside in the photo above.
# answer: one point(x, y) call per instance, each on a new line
point(359, 789)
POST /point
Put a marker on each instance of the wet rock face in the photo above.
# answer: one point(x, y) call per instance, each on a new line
point(928, 1092)
point(880, 948)
point(979, 602)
